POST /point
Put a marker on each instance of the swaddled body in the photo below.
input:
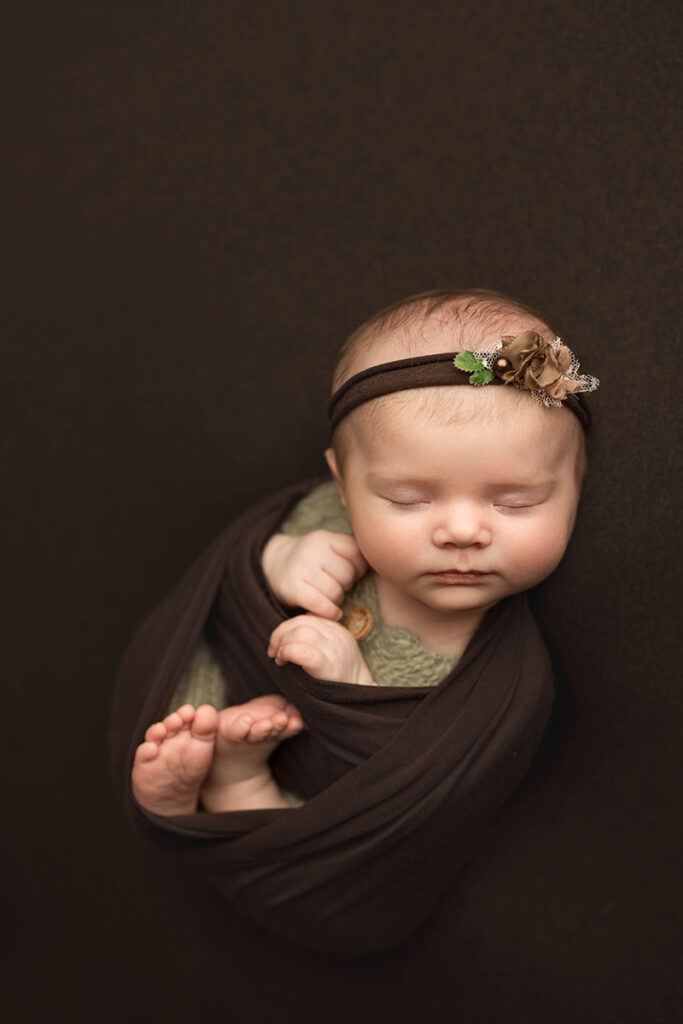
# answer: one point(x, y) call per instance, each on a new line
point(459, 499)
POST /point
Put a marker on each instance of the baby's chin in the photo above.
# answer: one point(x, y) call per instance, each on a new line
point(456, 598)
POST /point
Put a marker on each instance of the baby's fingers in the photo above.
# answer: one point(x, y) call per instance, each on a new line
point(298, 628)
point(347, 547)
point(309, 658)
point(314, 600)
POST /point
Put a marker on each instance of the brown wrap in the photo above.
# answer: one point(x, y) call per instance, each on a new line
point(398, 782)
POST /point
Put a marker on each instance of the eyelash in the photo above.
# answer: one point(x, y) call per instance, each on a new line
point(413, 504)
point(514, 508)
point(405, 504)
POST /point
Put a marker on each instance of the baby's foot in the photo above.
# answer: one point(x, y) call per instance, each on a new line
point(240, 778)
point(172, 763)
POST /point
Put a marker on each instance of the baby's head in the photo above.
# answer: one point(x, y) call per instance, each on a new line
point(458, 495)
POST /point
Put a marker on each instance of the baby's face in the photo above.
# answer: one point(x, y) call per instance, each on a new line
point(455, 517)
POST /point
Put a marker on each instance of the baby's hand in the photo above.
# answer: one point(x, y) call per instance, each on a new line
point(324, 649)
point(314, 571)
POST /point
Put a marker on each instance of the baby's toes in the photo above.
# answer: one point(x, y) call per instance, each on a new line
point(278, 725)
point(279, 720)
point(204, 722)
point(293, 712)
point(295, 724)
point(156, 733)
point(146, 752)
point(264, 729)
point(174, 723)
point(236, 729)
point(186, 713)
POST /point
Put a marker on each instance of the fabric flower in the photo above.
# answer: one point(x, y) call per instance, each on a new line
point(530, 360)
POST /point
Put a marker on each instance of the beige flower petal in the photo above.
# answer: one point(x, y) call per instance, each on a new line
point(537, 366)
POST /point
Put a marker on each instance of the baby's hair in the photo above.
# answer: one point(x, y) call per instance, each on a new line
point(470, 311)
point(472, 315)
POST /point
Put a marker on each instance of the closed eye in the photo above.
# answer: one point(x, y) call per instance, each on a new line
point(515, 508)
point(416, 502)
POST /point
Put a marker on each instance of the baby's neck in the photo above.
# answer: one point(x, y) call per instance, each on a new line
point(441, 632)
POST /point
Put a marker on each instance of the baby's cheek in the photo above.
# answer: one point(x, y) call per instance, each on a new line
point(379, 544)
point(383, 558)
point(540, 554)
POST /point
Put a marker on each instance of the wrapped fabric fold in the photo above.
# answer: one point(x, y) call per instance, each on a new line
point(398, 783)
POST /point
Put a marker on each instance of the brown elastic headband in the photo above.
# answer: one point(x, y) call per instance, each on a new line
point(417, 372)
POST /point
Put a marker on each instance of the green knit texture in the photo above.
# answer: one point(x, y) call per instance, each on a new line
point(321, 509)
point(202, 682)
point(394, 655)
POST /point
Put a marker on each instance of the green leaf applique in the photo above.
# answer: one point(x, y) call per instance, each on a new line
point(467, 361)
point(479, 372)
point(482, 376)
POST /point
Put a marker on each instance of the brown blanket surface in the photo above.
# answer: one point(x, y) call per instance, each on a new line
point(398, 783)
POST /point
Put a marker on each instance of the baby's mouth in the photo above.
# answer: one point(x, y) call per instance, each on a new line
point(459, 572)
point(456, 574)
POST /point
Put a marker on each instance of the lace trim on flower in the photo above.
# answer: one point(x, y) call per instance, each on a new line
point(549, 370)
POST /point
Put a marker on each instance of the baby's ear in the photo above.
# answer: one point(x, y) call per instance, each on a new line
point(331, 460)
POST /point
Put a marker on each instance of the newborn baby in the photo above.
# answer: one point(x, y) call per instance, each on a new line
point(452, 498)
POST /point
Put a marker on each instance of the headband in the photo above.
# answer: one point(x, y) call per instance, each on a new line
point(547, 370)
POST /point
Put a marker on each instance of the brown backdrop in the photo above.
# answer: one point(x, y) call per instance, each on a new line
point(203, 198)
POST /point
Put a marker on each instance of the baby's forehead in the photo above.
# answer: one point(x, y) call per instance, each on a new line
point(457, 403)
point(499, 411)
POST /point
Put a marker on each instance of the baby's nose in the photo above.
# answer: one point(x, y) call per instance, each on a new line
point(462, 526)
